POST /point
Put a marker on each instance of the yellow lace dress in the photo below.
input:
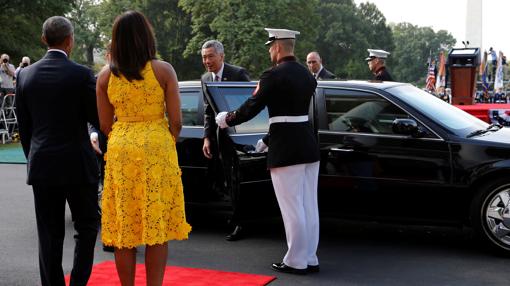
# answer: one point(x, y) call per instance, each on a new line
point(143, 202)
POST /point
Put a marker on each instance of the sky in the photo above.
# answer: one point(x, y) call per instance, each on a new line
point(450, 15)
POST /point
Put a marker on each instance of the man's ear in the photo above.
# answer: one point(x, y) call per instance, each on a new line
point(43, 40)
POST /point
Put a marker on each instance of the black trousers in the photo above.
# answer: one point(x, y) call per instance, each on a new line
point(50, 204)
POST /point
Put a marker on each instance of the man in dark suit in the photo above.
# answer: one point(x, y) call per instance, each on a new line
point(293, 156)
point(55, 99)
point(213, 57)
point(314, 63)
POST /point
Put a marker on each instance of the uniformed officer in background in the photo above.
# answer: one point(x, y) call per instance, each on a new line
point(293, 155)
point(377, 64)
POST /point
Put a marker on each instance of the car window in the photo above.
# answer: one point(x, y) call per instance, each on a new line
point(189, 107)
point(355, 111)
point(234, 97)
point(446, 115)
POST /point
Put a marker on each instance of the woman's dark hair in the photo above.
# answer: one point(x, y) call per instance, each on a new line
point(133, 45)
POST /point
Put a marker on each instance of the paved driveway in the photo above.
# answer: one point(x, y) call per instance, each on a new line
point(350, 253)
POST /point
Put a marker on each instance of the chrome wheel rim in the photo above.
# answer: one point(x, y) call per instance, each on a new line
point(497, 216)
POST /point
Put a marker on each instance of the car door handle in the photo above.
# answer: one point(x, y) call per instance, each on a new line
point(341, 149)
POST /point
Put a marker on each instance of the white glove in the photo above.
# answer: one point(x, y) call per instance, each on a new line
point(221, 120)
point(261, 147)
point(95, 142)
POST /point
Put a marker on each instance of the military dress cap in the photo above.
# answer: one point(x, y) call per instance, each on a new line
point(280, 34)
point(377, 54)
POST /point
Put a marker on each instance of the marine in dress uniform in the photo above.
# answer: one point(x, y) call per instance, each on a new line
point(376, 64)
point(293, 156)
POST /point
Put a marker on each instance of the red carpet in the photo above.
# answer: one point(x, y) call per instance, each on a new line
point(105, 274)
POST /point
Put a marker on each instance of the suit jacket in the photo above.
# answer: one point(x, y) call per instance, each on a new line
point(286, 89)
point(230, 73)
point(325, 74)
point(55, 98)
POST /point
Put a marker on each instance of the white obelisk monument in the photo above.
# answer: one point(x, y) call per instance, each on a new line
point(474, 23)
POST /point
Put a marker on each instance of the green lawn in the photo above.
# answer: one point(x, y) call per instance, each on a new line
point(12, 154)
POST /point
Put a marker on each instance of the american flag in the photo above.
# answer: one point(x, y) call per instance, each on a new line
point(431, 78)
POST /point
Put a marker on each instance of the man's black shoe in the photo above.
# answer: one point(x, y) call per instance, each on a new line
point(107, 248)
point(282, 267)
point(313, 268)
point(237, 234)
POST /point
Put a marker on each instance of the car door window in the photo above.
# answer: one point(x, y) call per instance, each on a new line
point(234, 97)
point(189, 107)
point(355, 111)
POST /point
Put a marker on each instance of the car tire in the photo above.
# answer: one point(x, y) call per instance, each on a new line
point(490, 215)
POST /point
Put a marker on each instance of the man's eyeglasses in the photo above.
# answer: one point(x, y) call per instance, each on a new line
point(311, 62)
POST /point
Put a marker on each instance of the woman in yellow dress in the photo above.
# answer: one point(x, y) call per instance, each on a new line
point(143, 201)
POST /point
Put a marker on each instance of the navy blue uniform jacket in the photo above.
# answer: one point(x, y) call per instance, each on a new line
point(286, 90)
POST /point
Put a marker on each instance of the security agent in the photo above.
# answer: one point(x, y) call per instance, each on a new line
point(376, 63)
point(293, 154)
point(314, 63)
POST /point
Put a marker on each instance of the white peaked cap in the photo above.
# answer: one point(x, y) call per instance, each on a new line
point(280, 34)
point(377, 54)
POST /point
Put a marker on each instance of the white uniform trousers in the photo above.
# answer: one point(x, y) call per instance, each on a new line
point(296, 191)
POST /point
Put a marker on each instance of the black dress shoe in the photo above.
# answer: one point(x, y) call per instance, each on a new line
point(282, 267)
point(237, 234)
point(313, 268)
point(107, 248)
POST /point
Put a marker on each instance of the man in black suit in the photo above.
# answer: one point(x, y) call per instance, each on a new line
point(55, 99)
point(314, 63)
point(213, 57)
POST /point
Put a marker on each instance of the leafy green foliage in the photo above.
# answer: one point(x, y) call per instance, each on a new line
point(22, 22)
point(87, 34)
point(240, 26)
point(413, 46)
point(339, 30)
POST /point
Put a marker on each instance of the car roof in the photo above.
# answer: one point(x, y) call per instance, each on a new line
point(373, 84)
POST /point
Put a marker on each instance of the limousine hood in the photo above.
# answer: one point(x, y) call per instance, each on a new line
point(498, 137)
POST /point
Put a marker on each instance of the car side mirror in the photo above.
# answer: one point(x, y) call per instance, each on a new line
point(407, 126)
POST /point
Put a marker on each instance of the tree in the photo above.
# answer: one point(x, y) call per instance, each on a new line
point(215, 19)
point(375, 34)
point(346, 31)
point(171, 28)
point(87, 33)
point(21, 31)
point(414, 45)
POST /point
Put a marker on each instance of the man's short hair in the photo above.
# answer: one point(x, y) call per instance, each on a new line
point(316, 54)
point(56, 29)
point(287, 45)
point(217, 45)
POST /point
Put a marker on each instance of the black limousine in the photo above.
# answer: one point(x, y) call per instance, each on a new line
point(389, 152)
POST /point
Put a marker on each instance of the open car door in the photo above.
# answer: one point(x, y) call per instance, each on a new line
point(247, 179)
